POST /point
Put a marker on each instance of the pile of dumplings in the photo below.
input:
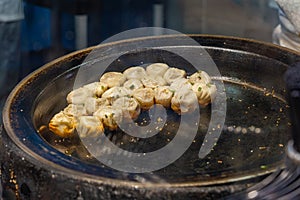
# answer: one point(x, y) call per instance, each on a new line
point(120, 97)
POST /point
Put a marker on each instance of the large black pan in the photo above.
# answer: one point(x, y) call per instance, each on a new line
point(37, 165)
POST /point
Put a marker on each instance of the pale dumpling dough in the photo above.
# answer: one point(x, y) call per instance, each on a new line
point(96, 88)
point(92, 104)
point(89, 126)
point(163, 96)
point(184, 100)
point(135, 73)
point(200, 77)
point(132, 84)
point(153, 82)
point(112, 79)
point(157, 69)
point(173, 74)
point(179, 84)
point(205, 93)
point(79, 96)
point(145, 96)
point(114, 93)
point(109, 116)
point(129, 106)
point(75, 110)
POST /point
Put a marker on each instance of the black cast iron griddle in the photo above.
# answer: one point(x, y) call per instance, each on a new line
point(252, 143)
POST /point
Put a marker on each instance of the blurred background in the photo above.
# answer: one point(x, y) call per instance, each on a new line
point(52, 28)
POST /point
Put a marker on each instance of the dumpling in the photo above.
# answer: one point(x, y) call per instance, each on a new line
point(93, 104)
point(129, 106)
point(62, 125)
point(200, 77)
point(184, 100)
point(173, 74)
point(96, 88)
point(145, 96)
point(75, 110)
point(79, 96)
point(153, 82)
point(157, 69)
point(133, 84)
point(163, 96)
point(114, 93)
point(109, 116)
point(135, 73)
point(89, 126)
point(205, 93)
point(113, 79)
point(179, 84)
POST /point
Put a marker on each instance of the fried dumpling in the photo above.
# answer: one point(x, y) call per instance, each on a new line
point(132, 84)
point(145, 96)
point(62, 125)
point(79, 96)
point(163, 96)
point(179, 84)
point(93, 104)
point(205, 93)
point(153, 82)
point(96, 88)
point(173, 74)
point(89, 126)
point(157, 69)
point(184, 100)
point(200, 77)
point(109, 116)
point(129, 106)
point(135, 73)
point(113, 79)
point(75, 110)
point(114, 93)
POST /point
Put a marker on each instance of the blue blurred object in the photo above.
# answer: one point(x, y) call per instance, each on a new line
point(68, 31)
point(36, 28)
point(114, 17)
point(46, 35)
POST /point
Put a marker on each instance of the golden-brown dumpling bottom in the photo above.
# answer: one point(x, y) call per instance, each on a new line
point(119, 97)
